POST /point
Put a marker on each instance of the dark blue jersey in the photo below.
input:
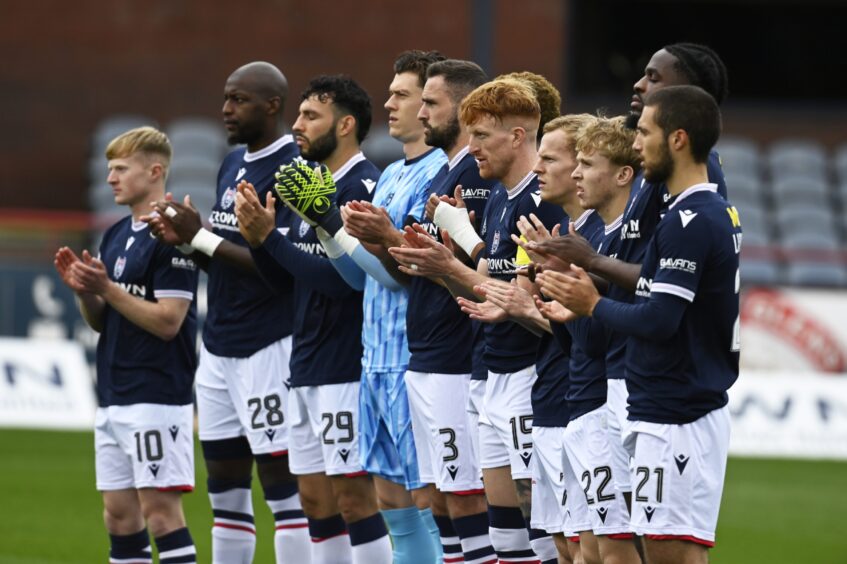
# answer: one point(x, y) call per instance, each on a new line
point(508, 346)
point(441, 337)
point(134, 366)
point(615, 341)
point(645, 207)
point(587, 389)
point(693, 256)
point(549, 392)
point(245, 314)
point(327, 339)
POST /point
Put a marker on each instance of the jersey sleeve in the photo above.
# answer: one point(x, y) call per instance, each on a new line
point(715, 170)
point(683, 242)
point(174, 274)
point(355, 189)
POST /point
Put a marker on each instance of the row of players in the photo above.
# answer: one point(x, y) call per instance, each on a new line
point(390, 387)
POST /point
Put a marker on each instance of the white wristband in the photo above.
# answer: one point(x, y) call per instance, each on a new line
point(185, 248)
point(458, 224)
point(331, 246)
point(206, 242)
point(346, 241)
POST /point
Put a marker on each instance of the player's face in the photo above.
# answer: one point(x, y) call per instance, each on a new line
point(651, 144)
point(404, 101)
point(243, 112)
point(595, 180)
point(131, 179)
point(438, 115)
point(555, 164)
point(492, 145)
point(315, 129)
point(659, 72)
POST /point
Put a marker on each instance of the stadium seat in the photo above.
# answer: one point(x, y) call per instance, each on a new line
point(800, 189)
point(840, 163)
point(739, 156)
point(755, 272)
point(381, 148)
point(817, 240)
point(800, 218)
point(755, 220)
point(189, 169)
point(816, 274)
point(197, 137)
point(745, 190)
point(797, 157)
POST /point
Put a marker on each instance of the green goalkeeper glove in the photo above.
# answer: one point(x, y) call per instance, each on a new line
point(308, 192)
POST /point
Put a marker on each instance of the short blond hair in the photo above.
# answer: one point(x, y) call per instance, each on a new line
point(500, 99)
point(611, 138)
point(146, 140)
point(572, 125)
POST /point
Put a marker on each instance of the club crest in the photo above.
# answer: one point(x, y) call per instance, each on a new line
point(304, 228)
point(120, 264)
point(228, 198)
point(495, 243)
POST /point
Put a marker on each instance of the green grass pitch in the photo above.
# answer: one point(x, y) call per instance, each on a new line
point(774, 511)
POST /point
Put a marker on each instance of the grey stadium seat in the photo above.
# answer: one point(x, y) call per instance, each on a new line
point(760, 272)
point(801, 218)
point(190, 169)
point(819, 240)
point(816, 274)
point(745, 189)
point(739, 156)
point(198, 136)
point(798, 189)
point(840, 163)
point(797, 157)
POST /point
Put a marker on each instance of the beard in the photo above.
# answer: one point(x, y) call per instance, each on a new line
point(663, 169)
point(631, 120)
point(321, 148)
point(443, 137)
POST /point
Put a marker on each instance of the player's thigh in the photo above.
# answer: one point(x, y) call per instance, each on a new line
point(678, 476)
point(618, 426)
point(158, 441)
point(587, 445)
point(442, 434)
point(548, 484)
point(507, 414)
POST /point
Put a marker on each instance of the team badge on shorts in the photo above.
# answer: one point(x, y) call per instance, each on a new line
point(120, 264)
point(228, 198)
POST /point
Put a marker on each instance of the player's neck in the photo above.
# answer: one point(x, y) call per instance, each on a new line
point(686, 176)
point(461, 143)
point(340, 156)
point(270, 136)
point(521, 166)
point(574, 211)
point(615, 207)
point(416, 148)
point(142, 206)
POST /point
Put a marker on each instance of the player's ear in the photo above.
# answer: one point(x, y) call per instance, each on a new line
point(274, 105)
point(346, 126)
point(157, 171)
point(678, 139)
point(625, 174)
point(518, 136)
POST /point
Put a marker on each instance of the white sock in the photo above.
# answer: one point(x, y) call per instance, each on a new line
point(330, 541)
point(233, 531)
point(291, 539)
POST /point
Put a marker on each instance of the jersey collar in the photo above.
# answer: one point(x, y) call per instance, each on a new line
point(459, 156)
point(580, 221)
point(269, 150)
point(514, 192)
point(702, 187)
point(345, 168)
point(614, 225)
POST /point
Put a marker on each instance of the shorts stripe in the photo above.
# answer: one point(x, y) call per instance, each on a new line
point(688, 538)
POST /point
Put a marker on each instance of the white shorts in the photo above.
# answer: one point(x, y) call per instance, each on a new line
point(505, 422)
point(324, 429)
point(476, 395)
point(678, 477)
point(245, 397)
point(145, 445)
point(442, 433)
point(548, 479)
point(617, 400)
point(588, 445)
point(577, 517)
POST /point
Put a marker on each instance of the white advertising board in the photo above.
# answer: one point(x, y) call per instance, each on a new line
point(789, 414)
point(45, 384)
